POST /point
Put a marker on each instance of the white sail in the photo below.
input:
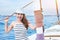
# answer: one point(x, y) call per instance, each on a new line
point(36, 4)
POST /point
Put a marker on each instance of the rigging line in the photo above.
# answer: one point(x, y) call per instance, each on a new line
point(27, 5)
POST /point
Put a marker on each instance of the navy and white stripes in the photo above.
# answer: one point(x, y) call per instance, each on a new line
point(20, 32)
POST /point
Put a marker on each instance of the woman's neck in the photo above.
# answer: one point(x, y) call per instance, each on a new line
point(19, 21)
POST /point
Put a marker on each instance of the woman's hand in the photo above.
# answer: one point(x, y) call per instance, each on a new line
point(31, 26)
point(6, 19)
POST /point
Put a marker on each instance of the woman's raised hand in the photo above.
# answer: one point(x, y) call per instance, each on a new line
point(6, 19)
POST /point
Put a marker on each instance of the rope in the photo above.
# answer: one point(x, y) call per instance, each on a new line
point(27, 5)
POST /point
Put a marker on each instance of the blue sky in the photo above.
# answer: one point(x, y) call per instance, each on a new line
point(10, 6)
point(7, 7)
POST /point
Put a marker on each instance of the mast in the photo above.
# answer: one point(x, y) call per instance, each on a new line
point(41, 11)
point(38, 14)
point(57, 9)
point(41, 6)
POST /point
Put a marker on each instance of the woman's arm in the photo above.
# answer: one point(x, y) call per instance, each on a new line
point(31, 26)
point(7, 29)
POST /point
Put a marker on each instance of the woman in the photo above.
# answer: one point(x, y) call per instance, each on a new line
point(20, 26)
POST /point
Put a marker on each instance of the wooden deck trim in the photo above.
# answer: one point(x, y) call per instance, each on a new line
point(52, 36)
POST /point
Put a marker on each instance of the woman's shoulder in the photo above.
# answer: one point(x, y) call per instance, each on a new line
point(13, 23)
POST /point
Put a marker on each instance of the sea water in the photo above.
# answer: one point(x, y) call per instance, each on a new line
point(48, 21)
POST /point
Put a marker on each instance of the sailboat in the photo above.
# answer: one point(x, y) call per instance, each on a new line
point(33, 37)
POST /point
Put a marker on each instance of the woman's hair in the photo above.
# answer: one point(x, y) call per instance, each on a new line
point(24, 21)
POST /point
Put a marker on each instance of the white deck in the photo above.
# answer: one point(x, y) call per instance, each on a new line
point(52, 33)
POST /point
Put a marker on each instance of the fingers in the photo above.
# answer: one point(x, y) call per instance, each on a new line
point(6, 18)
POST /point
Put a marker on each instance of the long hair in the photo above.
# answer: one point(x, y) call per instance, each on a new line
point(24, 21)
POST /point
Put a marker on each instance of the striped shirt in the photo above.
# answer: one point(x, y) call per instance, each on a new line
point(20, 32)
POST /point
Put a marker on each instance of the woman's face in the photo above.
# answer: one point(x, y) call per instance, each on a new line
point(19, 16)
